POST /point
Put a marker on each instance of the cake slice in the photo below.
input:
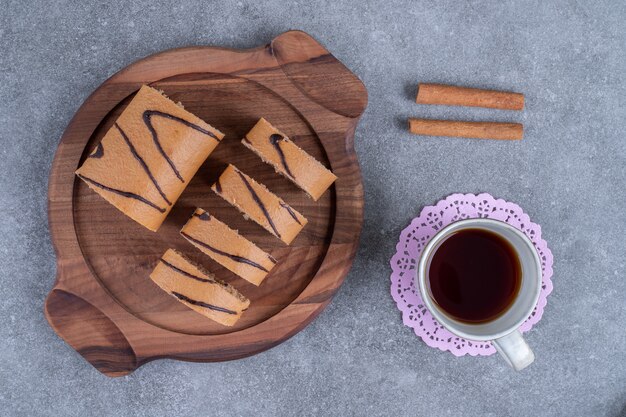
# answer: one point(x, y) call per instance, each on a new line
point(146, 159)
point(227, 247)
point(276, 149)
point(256, 202)
point(198, 290)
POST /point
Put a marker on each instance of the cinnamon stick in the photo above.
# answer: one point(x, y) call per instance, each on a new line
point(479, 130)
point(451, 95)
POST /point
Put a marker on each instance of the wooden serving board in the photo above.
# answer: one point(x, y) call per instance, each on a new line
point(104, 305)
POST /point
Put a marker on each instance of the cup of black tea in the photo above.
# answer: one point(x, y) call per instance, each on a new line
point(481, 278)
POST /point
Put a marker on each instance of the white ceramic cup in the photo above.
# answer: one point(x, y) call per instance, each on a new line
point(502, 331)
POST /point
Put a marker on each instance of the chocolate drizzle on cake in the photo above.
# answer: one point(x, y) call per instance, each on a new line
point(235, 258)
point(99, 152)
point(187, 274)
point(147, 119)
point(126, 194)
point(142, 163)
point(290, 211)
point(202, 303)
point(259, 203)
point(204, 216)
point(218, 187)
point(275, 140)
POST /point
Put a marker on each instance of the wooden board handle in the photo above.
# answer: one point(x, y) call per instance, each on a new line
point(478, 130)
point(318, 74)
point(451, 95)
point(92, 334)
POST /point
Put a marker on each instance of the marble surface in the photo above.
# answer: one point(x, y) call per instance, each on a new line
point(357, 358)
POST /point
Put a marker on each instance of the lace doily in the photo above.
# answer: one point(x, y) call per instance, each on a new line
point(418, 233)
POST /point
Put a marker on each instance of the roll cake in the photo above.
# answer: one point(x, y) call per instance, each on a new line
point(256, 202)
point(198, 289)
point(146, 159)
point(276, 149)
point(227, 247)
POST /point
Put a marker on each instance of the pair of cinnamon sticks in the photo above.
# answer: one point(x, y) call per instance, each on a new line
point(472, 97)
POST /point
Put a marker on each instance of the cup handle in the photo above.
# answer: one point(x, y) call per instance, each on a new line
point(515, 350)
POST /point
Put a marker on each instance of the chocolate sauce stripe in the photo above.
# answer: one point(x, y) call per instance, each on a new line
point(99, 152)
point(259, 203)
point(142, 163)
point(191, 301)
point(126, 194)
point(187, 274)
point(291, 212)
point(235, 258)
point(275, 140)
point(204, 216)
point(147, 119)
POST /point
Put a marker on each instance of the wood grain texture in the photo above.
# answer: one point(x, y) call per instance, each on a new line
point(103, 303)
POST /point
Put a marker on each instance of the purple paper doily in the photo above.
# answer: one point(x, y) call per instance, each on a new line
point(416, 236)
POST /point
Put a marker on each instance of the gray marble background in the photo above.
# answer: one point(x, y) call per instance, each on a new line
point(357, 358)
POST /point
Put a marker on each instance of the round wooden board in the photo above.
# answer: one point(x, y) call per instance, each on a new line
point(103, 303)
